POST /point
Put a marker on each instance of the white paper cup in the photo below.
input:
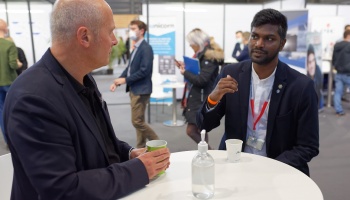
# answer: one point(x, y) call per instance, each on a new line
point(233, 148)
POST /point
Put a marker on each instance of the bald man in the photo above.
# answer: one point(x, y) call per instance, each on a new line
point(59, 131)
point(8, 66)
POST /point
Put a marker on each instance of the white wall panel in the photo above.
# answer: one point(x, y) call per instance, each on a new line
point(344, 11)
point(274, 4)
point(2, 11)
point(19, 28)
point(293, 4)
point(208, 17)
point(237, 17)
point(41, 27)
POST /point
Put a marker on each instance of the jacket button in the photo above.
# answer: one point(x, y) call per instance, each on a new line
point(190, 96)
point(189, 110)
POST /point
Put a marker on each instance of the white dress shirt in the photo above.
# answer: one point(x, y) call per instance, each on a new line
point(261, 92)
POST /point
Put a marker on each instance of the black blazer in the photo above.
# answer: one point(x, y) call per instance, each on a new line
point(236, 49)
point(292, 130)
point(140, 80)
point(57, 150)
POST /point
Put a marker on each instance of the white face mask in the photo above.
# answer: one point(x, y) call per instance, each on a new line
point(132, 35)
point(239, 40)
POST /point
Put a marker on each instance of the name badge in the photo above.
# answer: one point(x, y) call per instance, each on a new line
point(255, 143)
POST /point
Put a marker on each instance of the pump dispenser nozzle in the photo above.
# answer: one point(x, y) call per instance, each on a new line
point(203, 146)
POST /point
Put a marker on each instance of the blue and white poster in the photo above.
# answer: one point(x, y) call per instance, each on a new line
point(294, 51)
point(162, 39)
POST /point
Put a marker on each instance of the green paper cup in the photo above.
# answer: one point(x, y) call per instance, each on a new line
point(154, 145)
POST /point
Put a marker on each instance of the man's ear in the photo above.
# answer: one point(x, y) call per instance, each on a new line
point(283, 42)
point(83, 36)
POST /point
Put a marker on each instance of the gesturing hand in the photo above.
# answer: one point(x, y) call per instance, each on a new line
point(225, 85)
point(155, 161)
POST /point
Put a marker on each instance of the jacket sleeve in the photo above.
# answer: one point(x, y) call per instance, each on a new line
point(244, 55)
point(203, 78)
point(209, 120)
point(44, 145)
point(146, 65)
point(307, 138)
point(13, 55)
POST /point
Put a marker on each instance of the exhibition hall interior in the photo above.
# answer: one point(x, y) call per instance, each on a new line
point(316, 25)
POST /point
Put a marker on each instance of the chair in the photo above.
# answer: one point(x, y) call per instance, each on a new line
point(159, 95)
point(6, 176)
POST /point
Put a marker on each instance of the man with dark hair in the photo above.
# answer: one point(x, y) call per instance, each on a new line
point(269, 106)
point(341, 62)
point(138, 79)
point(239, 44)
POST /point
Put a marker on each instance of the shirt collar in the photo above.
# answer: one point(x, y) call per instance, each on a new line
point(268, 80)
point(137, 44)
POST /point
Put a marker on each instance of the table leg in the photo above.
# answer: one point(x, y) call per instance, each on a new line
point(174, 122)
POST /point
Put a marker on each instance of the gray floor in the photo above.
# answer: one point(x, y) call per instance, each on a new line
point(330, 170)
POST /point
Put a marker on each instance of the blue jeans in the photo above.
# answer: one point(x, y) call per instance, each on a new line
point(340, 81)
point(3, 92)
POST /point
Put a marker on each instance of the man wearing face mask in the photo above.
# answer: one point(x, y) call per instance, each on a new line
point(138, 79)
point(239, 45)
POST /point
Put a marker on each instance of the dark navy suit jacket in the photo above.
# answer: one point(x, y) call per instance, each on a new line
point(140, 80)
point(244, 55)
point(292, 129)
point(236, 49)
point(55, 143)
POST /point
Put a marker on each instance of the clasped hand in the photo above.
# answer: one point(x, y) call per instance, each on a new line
point(154, 161)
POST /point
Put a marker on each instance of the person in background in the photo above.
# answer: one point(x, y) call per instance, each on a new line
point(60, 135)
point(8, 67)
point(341, 62)
point(314, 72)
point(268, 105)
point(127, 46)
point(22, 60)
point(239, 44)
point(121, 50)
point(244, 55)
point(138, 79)
point(198, 86)
point(343, 98)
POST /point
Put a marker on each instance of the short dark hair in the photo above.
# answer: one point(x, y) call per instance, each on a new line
point(271, 16)
point(346, 34)
point(140, 24)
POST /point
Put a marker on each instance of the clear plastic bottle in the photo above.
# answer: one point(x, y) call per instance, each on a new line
point(203, 169)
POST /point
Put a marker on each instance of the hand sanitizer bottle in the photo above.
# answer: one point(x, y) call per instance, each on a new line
point(203, 168)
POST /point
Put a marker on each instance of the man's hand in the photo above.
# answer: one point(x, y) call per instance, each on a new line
point(155, 161)
point(225, 85)
point(117, 82)
point(181, 66)
point(136, 152)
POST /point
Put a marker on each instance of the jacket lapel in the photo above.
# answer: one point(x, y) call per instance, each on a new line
point(278, 89)
point(72, 97)
point(243, 91)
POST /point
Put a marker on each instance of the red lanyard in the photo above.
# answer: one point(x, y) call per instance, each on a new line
point(261, 112)
point(252, 106)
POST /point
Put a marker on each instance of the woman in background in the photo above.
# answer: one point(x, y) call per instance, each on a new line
point(198, 86)
point(314, 72)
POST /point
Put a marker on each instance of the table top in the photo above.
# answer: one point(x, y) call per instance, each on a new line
point(254, 177)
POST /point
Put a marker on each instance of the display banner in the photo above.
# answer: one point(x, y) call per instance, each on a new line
point(294, 51)
point(332, 29)
point(314, 63)
point(162, 39)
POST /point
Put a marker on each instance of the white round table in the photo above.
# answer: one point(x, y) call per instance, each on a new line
point(254, 177)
